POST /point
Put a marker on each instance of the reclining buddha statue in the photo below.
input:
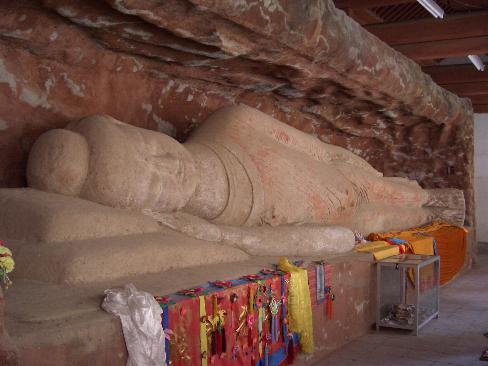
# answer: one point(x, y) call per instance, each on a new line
point(242, 178)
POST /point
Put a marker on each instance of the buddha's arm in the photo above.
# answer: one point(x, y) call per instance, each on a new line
point(290, 240)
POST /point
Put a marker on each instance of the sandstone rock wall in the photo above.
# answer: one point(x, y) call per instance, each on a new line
point(167, 65)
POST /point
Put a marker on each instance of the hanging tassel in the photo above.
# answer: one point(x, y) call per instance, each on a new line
point(250, 317)
point(260, 331)
point(251, 299)
point(330, 300)
point(203, 332)
point(269, 334)
point(329, 297)
point(218, 338)
point(283, 312)
point(233, 301)
point(218, 334)
point(290, 358)
point(165, 323)
point(214, 341)
point(224, 341)
point(235, 347)
point(327, 301)
point(213, 344)
point(277, 329)
point(274, 308)
point(273, 329)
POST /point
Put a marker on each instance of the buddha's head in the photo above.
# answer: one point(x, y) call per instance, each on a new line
point(103, 160)
point(58, 162)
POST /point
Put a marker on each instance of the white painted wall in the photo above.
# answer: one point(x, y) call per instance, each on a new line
point(481, 175)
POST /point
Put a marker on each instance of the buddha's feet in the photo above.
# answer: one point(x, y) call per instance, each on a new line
point(447, 204)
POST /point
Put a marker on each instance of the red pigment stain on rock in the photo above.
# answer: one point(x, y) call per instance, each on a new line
point(319, 205)
point(281, 136)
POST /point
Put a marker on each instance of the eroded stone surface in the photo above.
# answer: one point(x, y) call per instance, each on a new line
point(8, 354)
point(168, 66)
point(32, 215)
point(60, 239)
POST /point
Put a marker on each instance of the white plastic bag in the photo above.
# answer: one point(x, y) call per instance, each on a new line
point(140, 315)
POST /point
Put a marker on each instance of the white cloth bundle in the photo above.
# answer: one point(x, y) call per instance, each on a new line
point(140, 315)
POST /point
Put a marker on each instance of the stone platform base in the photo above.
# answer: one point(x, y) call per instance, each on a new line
point(59, 325)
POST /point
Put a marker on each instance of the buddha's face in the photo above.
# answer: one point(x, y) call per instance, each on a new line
point(106, 161)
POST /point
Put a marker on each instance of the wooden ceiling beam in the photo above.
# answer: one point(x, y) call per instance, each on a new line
point(445, 48)
point(480, 108)
point(452, 74)
point(428, 63)
point(343, 4)
point(364, 16)
point(478, 99)
point(466, 25)
point(468, 4)
point(468, 89)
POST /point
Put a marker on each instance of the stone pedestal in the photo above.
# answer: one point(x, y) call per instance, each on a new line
point(54, 325)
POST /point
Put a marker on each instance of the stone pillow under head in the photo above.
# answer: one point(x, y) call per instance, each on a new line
point(32, 215)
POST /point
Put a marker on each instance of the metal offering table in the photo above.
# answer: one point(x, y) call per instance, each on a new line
point(407, 291)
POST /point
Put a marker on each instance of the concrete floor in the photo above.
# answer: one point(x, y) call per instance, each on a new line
point(456, 338)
